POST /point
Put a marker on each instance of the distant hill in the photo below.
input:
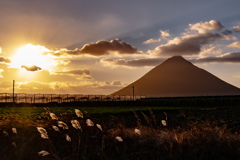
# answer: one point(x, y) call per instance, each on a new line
point(178, 77)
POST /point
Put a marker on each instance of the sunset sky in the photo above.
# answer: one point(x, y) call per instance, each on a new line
point(98, 47)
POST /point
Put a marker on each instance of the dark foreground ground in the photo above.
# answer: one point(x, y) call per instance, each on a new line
point(191, 132)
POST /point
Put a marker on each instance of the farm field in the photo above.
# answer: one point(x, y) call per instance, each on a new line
point(126, 133)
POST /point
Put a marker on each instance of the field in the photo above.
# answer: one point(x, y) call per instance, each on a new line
point(127, 133)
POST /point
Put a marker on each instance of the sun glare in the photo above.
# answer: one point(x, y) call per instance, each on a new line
point(30, 55)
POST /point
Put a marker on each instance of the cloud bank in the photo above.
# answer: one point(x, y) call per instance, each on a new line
point(132, 63)
point(83, 73)
point(151, 41)
point(232, 57)
point(192, 43)
point(187, 45)
point(100, 48)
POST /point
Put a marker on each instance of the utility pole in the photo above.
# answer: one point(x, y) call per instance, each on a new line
point(133, 92)
point(13, 90)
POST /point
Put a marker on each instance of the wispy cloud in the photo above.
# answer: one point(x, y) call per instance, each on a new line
point(210, 50)
point(231, 57)
point(81, 73)
point(164, 33)
point(234, 45)
point(132, 63)
point(151, 41)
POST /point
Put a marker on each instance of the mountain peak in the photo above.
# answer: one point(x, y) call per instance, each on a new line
point(179, 58)
point(176, 61)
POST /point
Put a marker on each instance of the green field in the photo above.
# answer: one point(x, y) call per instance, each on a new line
point(33, 111)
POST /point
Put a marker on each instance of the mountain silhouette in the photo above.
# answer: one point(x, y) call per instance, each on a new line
point(178, 77)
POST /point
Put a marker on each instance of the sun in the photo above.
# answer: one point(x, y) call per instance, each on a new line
point(32, 55)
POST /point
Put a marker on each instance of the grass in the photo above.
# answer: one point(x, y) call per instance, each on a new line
point(191, 133)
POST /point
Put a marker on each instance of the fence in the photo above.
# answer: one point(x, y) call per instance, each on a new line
point(59, 98)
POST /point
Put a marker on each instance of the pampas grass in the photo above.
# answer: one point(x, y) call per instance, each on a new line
point(78, 113)
point(131, 137)
point(5, 133)
point(62, 124)
point(119, 139)
point(14, 130)
point(99, 127)
point(14, 144)
point(55, 128)
point(76, 124)
point(43, 153)
point(43, 132)
point(68, 138)
point(89, 123)
point(53, 116)
point(164, 123)
point(137, 131)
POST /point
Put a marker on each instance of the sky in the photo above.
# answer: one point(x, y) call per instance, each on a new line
point(99, 47)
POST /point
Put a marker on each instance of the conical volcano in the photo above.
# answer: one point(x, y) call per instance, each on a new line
point(178, 77)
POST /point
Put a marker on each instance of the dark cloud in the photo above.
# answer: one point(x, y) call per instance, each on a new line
point(100, 48)
point(187, 45)
point(4, 60)
point(227, 32)
point(133, 63)
point(31, 68)
point(232, 57)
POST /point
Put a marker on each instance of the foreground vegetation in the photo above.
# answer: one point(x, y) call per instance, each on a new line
point(120, 133)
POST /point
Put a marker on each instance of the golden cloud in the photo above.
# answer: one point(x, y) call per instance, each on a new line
point(205, 27)
point(234, 45)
